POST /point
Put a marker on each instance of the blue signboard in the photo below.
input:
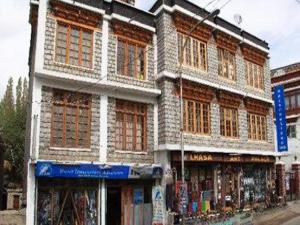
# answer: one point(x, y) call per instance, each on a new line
point(282, 143)
point(53, 170)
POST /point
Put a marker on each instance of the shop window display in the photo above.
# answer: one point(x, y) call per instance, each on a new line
point(67, 206)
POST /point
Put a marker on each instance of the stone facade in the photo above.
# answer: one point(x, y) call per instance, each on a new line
point(168, 61)
point(49, 58)
point(114, 155)
point(46, 152)
point(149, 82)
point(169, 124)
point(169, 103)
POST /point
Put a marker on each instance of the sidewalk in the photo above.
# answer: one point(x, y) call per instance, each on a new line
point(287, 215)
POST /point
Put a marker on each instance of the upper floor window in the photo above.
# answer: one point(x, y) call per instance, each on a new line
point(229, 122)
point(194, 53)
point(254, 75)
point(131, 59)
point(131, 126)
point(291, 131)
point(74, 45)
point(257, 127)
point(196, 117)
point(71, 120)
point(292, 100)
point(226, 64)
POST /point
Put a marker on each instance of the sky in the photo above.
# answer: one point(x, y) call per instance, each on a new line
point(275, 21)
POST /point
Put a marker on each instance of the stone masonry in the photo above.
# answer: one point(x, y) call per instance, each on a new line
point(169, 104)
point(149, 82)
point(117, 155)
point(168, 61)
point(48, 153)
point(49, 58)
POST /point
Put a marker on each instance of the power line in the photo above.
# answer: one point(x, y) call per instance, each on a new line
point(152, 47)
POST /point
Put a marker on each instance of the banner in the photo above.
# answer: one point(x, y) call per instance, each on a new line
point(49, 169)
point(282, 143)
point(158, 205)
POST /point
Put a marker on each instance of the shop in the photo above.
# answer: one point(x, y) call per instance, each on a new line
point(73, 195)
point(221, 181)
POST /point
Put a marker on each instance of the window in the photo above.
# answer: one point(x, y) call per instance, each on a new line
point(194, 54)
point(131, 126)
point(257, 127)
point(254, 75)
point(226, 64)
point(292, 100)
point(196, 117)
point(16, 202)
point(71, 120)
point(131, 59)
point(229, 122)
point(291, 131)
point(74, 45)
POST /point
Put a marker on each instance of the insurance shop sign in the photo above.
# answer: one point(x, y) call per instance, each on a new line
point(282, 143)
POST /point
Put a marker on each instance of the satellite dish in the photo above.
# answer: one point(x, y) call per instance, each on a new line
point(238, 18)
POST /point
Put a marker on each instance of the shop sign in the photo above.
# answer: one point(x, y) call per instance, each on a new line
point(282, 143)
point(53, 170)
point(138, 196)
point(145, 172)
point(158, 205)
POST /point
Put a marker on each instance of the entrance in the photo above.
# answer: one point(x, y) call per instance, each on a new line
point(113, 214)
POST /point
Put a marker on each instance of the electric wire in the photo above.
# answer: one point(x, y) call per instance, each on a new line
point(150, 48)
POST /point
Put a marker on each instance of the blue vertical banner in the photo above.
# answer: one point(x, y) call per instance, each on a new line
point(282, 143)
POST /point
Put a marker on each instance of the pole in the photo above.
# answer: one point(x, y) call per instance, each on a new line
point(212, 14)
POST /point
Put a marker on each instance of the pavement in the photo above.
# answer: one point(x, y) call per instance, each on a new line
point(286, 215)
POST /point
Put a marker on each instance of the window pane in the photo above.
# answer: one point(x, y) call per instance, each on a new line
point(119, 131)
point(191, 116)
point(121, 58)
point(140, 64)
point(129, 132)
point(131, 60)
point(71, 126)
point(188, 56)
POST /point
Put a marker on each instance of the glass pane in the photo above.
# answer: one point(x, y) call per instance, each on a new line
point(119, 131)
point(71, 126)
point(121, 58)
point(131, 60)
point(140, 64)
point(57, 126)
point(139, 133)
point(129, 132)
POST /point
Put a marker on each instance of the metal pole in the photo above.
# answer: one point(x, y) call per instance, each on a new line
point(212, 14)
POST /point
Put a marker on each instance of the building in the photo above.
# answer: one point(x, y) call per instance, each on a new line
point(228, 115)
point(289, 77)
point(103, 123)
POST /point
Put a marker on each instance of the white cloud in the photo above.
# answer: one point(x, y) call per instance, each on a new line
point(14, 40)
point(276, 21)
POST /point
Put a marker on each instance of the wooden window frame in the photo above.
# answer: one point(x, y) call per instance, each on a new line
point(288, 98)
point(122, 107)
point(257, 127)
point(78, 106)
point(201, 49)
point(231, 122)
point(137, 44)
point(198, 126)
point(223, 63)
point(70, 26)
point(254, 75)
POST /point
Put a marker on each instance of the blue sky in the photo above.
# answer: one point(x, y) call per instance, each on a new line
point(276, 21)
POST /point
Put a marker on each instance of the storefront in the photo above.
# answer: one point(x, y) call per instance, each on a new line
point(222, 181)
point(72, 195)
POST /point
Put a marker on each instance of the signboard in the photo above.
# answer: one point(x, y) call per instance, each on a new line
point(282, 144)
point(49, 169)
point(202, 157)
point(145, 172)
point(138, 196)
point(158, 205)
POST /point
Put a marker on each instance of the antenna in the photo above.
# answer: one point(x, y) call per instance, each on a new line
point(238, 19)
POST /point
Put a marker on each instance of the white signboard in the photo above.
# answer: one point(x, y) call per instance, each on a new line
point(158, 205)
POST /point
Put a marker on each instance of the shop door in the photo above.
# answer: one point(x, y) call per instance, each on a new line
point(113, 214)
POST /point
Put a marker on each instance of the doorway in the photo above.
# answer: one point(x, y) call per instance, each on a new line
point(113, 214)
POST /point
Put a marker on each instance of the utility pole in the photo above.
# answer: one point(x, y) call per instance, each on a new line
point(1, 172)
point(211, 15)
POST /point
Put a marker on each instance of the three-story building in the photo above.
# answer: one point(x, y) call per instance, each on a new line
point(104, 118)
